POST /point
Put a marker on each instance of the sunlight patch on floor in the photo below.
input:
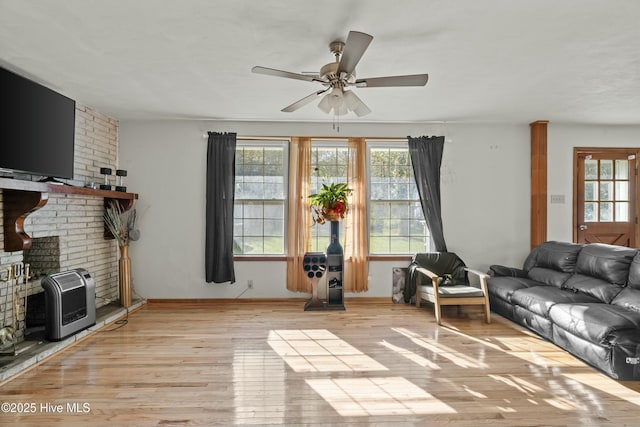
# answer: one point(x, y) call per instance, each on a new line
point(318, 350)
point(560, 398)
point(377, 396)
point(520, 346)
point(416, 358)
point(459, 359)
point(519, 384)
point(608, 385)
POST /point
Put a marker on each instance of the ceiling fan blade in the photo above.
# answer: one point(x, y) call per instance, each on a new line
point(304, 101)
point(287, 74)
point(354, 48)
point(394, 81)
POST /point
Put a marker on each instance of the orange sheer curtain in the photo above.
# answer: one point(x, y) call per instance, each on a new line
point(299, 213)
point(356, 274)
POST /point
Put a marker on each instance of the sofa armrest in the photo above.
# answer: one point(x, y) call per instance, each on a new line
point(501, 270)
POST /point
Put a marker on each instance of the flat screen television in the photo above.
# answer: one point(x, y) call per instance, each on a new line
point(37, 127)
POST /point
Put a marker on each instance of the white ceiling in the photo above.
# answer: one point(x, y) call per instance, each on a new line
point(571, 61)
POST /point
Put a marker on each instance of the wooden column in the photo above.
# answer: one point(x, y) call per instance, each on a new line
point(538, 182)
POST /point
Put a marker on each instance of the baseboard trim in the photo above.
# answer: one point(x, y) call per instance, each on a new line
point(212, 301)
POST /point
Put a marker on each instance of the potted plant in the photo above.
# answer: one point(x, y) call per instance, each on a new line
point(331, 203)
point(121, 223)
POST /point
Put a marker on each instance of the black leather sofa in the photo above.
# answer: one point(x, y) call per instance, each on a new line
point(583, 298)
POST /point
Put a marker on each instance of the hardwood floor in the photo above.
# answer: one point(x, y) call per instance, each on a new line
point(271, 363)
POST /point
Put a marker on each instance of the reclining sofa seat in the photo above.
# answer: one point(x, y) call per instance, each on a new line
point(584, 298)
point(551, 264)
point(605, 335)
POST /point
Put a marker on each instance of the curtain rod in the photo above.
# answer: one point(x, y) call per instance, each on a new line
point(321, 138)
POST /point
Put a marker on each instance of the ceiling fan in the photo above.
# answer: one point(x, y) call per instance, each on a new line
point(337, 76)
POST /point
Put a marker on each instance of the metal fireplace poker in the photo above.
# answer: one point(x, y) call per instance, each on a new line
point(17, 281)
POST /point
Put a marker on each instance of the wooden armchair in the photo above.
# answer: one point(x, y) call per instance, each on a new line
point(443, 279)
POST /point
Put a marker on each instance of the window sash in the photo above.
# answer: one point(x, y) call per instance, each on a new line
point(321, 161)
point(396, 221)
point(260, 213)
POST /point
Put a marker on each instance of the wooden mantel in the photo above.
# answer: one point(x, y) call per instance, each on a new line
point(21, 198)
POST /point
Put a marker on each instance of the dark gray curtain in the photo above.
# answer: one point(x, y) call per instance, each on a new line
point(221, 177)
point(426, 156)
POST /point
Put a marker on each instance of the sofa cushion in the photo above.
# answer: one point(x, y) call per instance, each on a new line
point(604, 324)
point(540, 299)
point(629, 299)
point(504, 287)
point(548, 276)
point(607, 262)
point(559, 256)
point(455, 291)
point(541, 325)
point(501, 270)
point(597, 288)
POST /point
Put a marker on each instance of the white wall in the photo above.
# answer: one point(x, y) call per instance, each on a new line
point(561, 139)
point(485, 193)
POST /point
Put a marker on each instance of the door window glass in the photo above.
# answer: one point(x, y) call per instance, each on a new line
point(606, 190)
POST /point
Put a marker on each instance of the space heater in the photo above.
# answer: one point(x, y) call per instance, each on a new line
point(70, 303)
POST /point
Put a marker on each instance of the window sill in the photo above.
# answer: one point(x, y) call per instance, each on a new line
point(241, 258)
point(267, 258)
point(397, 257)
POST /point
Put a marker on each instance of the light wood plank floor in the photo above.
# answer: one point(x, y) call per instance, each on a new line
point(271, 363)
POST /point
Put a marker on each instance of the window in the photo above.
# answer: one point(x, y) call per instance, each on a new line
point(260, 198)
point(396, 221)
point(328, 165)
point(606, 190)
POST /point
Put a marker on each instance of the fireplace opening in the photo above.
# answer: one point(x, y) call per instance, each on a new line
point(43, 256)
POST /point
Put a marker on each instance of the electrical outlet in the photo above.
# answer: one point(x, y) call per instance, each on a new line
point(250, 284)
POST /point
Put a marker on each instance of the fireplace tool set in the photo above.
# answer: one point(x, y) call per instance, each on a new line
point(16, 280)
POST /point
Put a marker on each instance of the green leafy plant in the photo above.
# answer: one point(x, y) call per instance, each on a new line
point(330, 203)
point(121, 223)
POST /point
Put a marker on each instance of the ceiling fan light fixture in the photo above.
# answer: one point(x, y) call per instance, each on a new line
point(334, 101)
point(355, 104)
point(335, 97)
point(341, 109)
point(324, 104)
point(342, 102)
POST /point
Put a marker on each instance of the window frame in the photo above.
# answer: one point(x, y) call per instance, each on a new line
point(390, 144)
point(283, 143)
point(326, 143)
